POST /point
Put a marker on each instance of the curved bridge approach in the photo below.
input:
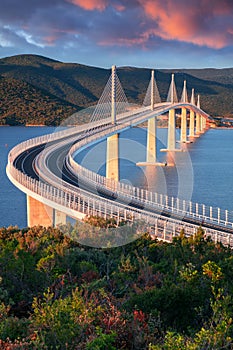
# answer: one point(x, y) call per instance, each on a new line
point(57, 186)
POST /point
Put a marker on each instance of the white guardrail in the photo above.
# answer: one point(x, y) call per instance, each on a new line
point(200, 212)
point(82, 201)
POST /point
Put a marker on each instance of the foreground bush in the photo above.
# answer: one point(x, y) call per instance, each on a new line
point(57, 294)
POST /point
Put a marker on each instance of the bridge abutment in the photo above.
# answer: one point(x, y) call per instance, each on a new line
point(38, 213)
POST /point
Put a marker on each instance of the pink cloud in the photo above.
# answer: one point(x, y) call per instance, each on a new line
point(119, 7)
point(91, 4)
point(198, 22)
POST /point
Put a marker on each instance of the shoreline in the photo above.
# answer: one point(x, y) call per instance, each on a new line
point(136, 126)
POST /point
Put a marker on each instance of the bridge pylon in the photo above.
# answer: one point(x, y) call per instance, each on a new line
point(112, 154)
point(152, 127)
point(202, 119)
point(198, 118)
point(171, 138)
point(192, 117)
point(183, 129)
point(151, 151)
point(172, 94)
point(113, 113)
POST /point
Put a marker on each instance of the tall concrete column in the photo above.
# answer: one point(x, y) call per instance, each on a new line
point(112, 161)
point(192, 124)
point(198, 117)
point(151, 140)
point(151, 152)
point(204, 123)
point(38, 213)
point(183, 130)
point(151, 128)
point(171, 139)
point(198, 123)
point(152, 93)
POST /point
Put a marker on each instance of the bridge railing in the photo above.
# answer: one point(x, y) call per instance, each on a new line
point(182, 207)
point(57, 135)
point(201, 212)
point(158, 226)
point(86, 129)
point(165, 228)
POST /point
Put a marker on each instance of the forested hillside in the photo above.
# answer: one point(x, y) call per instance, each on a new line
point(38, 90)
point(22, 103)
point(58, 294)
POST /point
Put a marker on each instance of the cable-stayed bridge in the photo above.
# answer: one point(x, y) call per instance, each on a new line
point(57, 186)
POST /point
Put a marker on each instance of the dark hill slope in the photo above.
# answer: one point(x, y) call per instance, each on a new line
point(223, 76)
point(22, 103)
point(65, 87)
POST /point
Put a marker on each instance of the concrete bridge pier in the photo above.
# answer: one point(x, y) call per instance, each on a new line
point(151, 150)
point(198, 125)
point(192, 124)
point(183, 129)
point(38, 213)
point(151, 141)
point(198, 118)
point(171, 137)
point(203, 124)
point(112, 157)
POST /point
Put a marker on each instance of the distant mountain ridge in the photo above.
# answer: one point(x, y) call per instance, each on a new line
point(39, 90)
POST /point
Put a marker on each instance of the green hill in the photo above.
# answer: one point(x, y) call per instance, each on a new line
point(39, 90)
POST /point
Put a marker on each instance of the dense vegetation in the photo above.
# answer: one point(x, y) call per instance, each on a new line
point(58, 294)
point(38, 90)
point(22, 103)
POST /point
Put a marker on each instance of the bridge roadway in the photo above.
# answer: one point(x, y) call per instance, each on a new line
point(56, 164)
point(47, 162)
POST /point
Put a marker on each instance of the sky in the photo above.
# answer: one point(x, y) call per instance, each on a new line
point(140, 33)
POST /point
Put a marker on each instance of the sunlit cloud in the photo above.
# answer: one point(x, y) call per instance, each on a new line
point(200, 22)
point(90, 4)
point(124, 29)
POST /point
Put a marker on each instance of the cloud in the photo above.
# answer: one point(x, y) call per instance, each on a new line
point(122, 22)
point(91, 4)
point(118, 28)
point(201, 22)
